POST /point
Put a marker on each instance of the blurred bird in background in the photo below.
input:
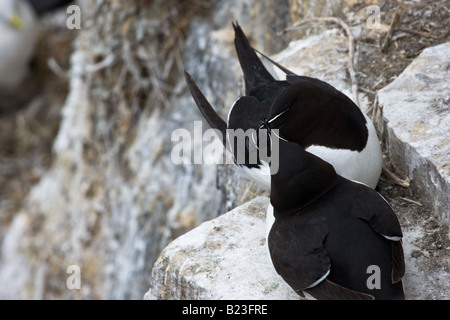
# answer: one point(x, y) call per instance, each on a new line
point(19, 22)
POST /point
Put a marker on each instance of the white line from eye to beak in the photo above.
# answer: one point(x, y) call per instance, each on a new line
point(280, 114)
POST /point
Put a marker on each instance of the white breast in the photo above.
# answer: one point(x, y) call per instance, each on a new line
point(364, 166)
point(261, 176)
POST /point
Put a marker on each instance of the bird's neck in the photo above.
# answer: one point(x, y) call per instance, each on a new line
point(300, 180)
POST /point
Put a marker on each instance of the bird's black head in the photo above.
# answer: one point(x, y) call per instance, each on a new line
point(312, 112)
point(261, 138)
point(265, 124)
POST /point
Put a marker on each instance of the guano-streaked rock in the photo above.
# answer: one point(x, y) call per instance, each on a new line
point(416, 127)
point(224, 258)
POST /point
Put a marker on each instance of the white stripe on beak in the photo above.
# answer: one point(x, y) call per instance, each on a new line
point(278, 115)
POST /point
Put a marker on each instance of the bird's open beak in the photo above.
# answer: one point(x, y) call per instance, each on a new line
point(16, 22)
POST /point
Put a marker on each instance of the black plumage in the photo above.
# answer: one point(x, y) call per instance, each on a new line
point(314, 113)
point(247, 119)
point(326, 223)
point(308, 111)
point(328, 230)
point(327, 116)
point(258, 81)
point(44, 6)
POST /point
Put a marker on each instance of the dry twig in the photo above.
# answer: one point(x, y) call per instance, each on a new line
point(417, 203)
point(418, 33)
point(387, 39)
point(351, 45)
point(401, 182)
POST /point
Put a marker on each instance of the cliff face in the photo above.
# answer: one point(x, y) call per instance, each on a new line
point(113, 199)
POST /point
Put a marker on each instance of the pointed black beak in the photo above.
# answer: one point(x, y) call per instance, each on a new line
point(265, 124)
point(214, 120)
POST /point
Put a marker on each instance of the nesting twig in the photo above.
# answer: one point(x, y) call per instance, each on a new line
point(351, 45)
point(401, 182)
point(418, 33)
point(105, 63)
point(374, 109)
point(387, 39)
point(158, 80)
point(54, 66)
point(417, 203)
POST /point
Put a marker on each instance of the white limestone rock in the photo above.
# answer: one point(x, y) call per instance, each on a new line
point(224, 258)
point(416, 129)
point(228, 258)
point(323, 56)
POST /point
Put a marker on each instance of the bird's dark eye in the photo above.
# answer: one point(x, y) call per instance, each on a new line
point(256, 139)
point(265, 124)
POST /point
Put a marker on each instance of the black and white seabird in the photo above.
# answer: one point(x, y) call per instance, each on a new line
point(19, 26)
point(248, 118)
point(18, 31)
point(18, 37)
point(329, 232)
point(337, 130)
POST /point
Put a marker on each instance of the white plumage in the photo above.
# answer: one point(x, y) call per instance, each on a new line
point(18, 27)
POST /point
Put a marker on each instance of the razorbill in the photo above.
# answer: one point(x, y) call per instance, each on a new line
point(332, 238)
point(19, 27)
point(356, 155)
point(249, 118)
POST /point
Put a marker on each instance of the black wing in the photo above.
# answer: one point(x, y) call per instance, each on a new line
point(253, 69)
point(214, 120)
point(378, 213)
point(279, 66)
point(298, 255)
point(328, 290)
point(297, 251)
